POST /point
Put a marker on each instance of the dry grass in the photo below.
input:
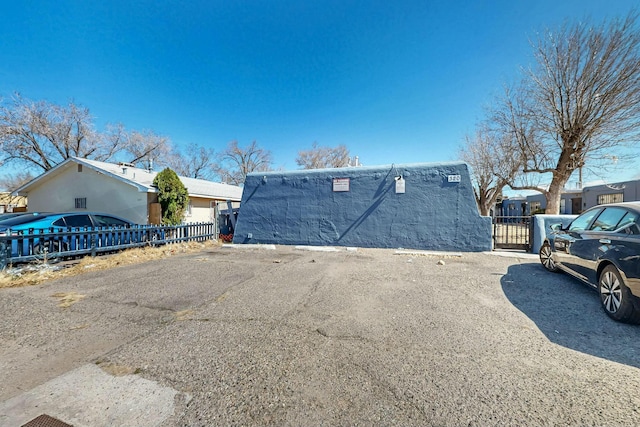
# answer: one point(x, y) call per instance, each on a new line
point(44, 272)
point(67, 299)
point(116, 370)
point(184, 314)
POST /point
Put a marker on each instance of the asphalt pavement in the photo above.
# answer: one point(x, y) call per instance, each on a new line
point(293, 336)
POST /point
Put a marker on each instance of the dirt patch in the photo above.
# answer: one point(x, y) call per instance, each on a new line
point(67, 299)
point(42, 272)
point(117, 370)
point(184, 314)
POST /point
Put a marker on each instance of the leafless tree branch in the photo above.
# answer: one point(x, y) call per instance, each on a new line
point(319, 157)
point(579, 103)
point(236, 162)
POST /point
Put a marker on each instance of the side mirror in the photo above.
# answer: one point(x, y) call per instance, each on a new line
point(556, 227)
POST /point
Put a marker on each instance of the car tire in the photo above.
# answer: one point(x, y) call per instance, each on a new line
point(546, 258)
point(616, 298)
point(39, 248)
point(150, 239)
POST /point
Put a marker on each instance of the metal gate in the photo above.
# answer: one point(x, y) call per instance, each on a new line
point(512, 232)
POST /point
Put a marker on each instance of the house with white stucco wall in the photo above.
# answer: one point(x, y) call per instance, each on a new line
point(119, 189)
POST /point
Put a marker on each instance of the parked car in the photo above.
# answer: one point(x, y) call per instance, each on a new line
point(7, 215)
point(601, 247)
point(48, 222)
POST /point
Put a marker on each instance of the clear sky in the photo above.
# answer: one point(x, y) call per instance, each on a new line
point(396, 81)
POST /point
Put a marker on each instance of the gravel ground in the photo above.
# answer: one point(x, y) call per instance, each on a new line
point(250, 336)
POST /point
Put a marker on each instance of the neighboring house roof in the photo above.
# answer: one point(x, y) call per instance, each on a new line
point(142, 179)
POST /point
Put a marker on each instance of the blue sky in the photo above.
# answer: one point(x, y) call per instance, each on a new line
point(395, 81)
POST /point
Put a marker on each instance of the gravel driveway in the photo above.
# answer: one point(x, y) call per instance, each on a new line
point(249, 336)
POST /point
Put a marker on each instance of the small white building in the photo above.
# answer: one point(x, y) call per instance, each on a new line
point(79, 184)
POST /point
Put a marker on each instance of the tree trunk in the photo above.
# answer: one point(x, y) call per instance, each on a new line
point(554, 194)
point(486, 201)
point(483, 205)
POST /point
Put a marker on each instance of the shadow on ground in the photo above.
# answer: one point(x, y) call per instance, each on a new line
point(568, 312)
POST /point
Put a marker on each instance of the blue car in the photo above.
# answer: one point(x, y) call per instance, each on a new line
point(7, 215)
point(47, 224)
point(601, 247)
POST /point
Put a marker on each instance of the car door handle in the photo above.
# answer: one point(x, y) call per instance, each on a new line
point(605, 241)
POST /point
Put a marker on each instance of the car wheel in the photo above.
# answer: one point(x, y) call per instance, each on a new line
point(50, 247)
point(150, 238)
point(546, 258)
point(616, 298)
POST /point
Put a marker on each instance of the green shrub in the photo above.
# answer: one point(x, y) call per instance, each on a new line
point(172, 196)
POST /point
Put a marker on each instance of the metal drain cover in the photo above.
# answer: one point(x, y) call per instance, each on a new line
point(46, 421)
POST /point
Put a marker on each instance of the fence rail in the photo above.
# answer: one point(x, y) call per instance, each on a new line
point(512, 232)
point(20, 247)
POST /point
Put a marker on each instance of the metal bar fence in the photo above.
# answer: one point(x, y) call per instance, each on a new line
point(512, 232)
point(20, 247)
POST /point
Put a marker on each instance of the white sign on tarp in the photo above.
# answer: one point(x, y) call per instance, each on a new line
point(341, 184)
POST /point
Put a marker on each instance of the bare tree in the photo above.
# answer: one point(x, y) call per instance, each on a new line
point(493, 165)
point(143, 148)
point(13, 181)
point(196, 162)
point(578, 104)
point(40, 134)
point(236, 162)
point(323, 157)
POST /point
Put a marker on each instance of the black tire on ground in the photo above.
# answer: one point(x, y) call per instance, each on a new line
point(616, 298)
point(546, 258)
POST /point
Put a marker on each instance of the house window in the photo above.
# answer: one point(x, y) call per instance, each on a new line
point(603, 199)
point(81, 203)
point(79, 168)
point(534, 207)
point(563, 206)
point(189, 208)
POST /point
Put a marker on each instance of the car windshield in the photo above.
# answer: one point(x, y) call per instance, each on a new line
point(21, 219)
point(5, 216)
